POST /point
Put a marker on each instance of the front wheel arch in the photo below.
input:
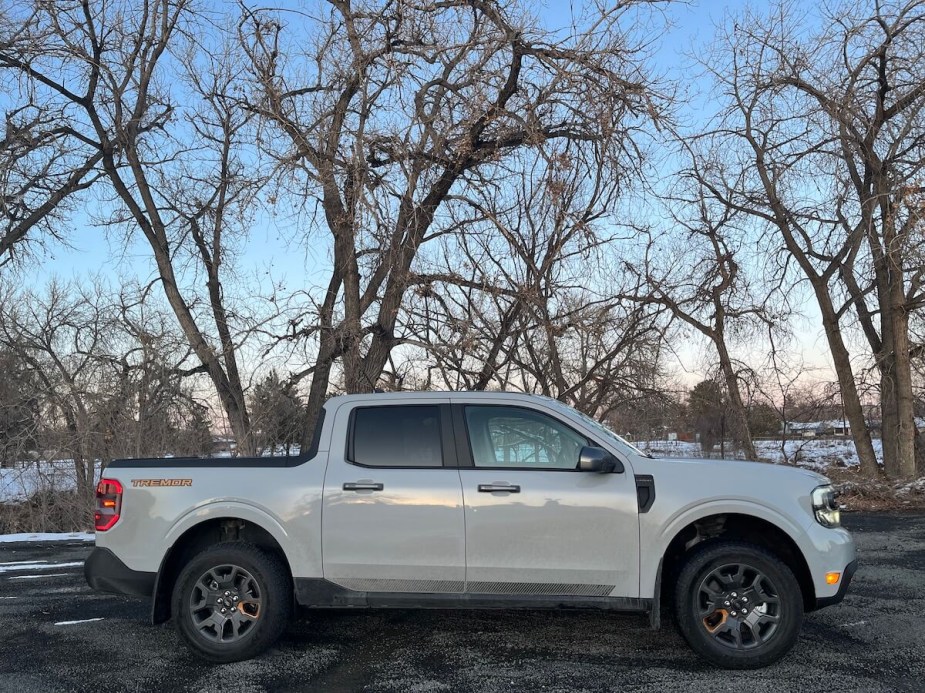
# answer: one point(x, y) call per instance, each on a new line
point(738, 527)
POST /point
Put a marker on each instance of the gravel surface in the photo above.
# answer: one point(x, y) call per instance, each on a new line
point(58, 635)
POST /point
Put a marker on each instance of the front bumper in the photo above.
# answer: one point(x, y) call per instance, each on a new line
point(827, 550)
point(104, 571)
point(848, 573)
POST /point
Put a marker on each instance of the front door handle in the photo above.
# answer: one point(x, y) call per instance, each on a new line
point(363, 486)
point(495, 488)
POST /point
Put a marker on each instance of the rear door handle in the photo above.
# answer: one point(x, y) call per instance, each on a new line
point(363, 486)
point(495, 488)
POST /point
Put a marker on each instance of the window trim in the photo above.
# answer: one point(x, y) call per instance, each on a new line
point(447, 454)
point(464, 442)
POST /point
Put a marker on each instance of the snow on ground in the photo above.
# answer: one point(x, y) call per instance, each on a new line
point(41, 565)
point(815, 453)
point(47, 536)
point(917, 486)
point(36, 577)
point(21, 482)
point(670, 448)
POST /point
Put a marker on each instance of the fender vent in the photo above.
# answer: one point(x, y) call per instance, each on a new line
point(645, 491)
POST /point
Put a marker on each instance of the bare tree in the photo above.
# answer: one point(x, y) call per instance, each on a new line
point(158, 392)
point(823, 136)
point(44, 161)
point(700, 269)
point(519, 296)
point(134, 100)
point(18, 410)
point(388, 113)
point(42, 166)
point(105, 378)
point(781, 380)
point(108, 374)
point(868, 88)
point(61, 338)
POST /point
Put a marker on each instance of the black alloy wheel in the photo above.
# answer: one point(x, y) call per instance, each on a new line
point(224, 603)
point(233, 601)
point(738, 605)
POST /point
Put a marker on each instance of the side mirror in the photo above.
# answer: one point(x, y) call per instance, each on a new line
point(598, 460)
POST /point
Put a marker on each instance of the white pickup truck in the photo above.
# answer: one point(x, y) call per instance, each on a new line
point(471, 500)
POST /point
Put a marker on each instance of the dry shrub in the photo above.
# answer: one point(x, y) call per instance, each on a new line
point(860, 493)
point(47, 511)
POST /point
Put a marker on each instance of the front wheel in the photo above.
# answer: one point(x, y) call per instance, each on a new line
point(738, 606)
point(232, 602)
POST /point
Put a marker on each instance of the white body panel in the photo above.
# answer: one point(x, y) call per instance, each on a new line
point(780, 495)
point(567, 528)
point(408, 537)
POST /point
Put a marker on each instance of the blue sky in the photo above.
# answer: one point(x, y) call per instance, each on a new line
point(269, 255)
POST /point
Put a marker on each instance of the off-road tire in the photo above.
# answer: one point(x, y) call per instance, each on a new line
point(266, 576)
point(694, 590)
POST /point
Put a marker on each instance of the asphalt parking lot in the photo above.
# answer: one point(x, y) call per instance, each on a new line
point(58, 635)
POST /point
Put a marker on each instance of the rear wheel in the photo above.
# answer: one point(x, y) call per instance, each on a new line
point(232, 602)
point(738, 606)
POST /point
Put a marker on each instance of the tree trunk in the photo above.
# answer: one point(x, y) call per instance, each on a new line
point(919, 441)
point(738, 419)
point(896, 396)
point(842, 361)
point(889, 420)
point(321, 378)
point(905, 416)
point(314, 405)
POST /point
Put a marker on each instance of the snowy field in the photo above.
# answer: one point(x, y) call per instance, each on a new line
point(28, 478)
point(813, 453)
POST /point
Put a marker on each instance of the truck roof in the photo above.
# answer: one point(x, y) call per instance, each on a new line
point(422, 395)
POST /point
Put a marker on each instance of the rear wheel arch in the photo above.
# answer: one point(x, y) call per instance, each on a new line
point(738, 527)
point(198, 538)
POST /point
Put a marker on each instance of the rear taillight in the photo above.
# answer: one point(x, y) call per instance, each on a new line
point(108, 504)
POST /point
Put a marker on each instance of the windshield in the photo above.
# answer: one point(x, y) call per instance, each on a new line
point(598, 426)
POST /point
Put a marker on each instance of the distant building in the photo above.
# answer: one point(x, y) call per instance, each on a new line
point(811, 429)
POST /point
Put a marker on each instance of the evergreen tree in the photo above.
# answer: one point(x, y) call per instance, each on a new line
point(707, 409)
point(276, 413)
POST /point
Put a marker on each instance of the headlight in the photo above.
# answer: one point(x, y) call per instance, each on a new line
point(825, 508)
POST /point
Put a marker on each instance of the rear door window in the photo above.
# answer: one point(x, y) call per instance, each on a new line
point(396, 436)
